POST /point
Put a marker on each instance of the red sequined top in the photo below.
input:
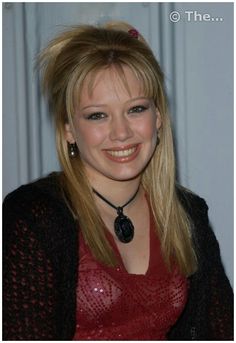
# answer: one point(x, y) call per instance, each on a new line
point(115, 305)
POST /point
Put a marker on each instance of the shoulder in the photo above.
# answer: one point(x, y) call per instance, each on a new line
point(194, 205)
point(39, 206)
point(196, 209)
point(205, 241)
point(47, 187)
point(44, 192)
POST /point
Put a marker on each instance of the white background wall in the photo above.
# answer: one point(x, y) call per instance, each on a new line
point(197, 58)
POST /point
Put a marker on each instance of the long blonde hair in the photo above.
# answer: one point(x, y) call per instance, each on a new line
point(65, 63)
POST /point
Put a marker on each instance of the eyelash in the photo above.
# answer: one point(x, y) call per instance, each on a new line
point(96, 116)
point(138, 109)
point(101, 115)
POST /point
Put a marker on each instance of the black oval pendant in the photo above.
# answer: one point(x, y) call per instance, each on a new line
point(124, 228)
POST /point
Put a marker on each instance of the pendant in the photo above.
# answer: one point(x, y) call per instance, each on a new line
point(124, 228)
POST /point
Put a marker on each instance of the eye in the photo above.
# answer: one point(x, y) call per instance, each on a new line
point(96, 116)
point(138, 109)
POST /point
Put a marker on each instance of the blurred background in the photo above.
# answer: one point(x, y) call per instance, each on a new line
point(193, 43)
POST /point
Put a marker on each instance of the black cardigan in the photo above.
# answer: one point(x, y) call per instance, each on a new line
point(40, 263)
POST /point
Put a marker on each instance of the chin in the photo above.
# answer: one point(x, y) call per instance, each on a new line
point(125, 176)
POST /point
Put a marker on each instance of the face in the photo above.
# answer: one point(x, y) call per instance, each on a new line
point(115, 129)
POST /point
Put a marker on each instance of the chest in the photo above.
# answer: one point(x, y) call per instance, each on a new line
point(135, 255)
point(115, 304)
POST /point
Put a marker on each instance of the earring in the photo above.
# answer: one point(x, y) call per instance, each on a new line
point(158, 139)
point(72, 150)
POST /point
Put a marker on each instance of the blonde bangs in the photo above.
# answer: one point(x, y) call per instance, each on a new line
point(89, 68)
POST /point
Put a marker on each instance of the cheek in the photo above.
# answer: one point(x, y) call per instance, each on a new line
point(89, 136)
point(148, 128)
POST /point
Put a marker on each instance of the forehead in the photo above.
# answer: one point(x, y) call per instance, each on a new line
point(115, 80)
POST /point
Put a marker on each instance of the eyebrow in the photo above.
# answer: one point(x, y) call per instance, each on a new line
point(94, 105)
point(103, 105)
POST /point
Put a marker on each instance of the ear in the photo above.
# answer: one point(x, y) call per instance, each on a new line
point(158, 119)
point(68, 134)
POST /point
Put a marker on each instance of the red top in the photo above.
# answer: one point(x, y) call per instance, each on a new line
point(115, 305)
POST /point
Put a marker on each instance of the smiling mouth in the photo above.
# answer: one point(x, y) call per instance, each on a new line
point(124, 154)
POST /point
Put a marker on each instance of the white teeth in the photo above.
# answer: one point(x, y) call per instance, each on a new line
point(121, 153)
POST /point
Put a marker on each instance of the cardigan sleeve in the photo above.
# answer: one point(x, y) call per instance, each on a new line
point(220, 296)
point(209, 311)
point(28, 279)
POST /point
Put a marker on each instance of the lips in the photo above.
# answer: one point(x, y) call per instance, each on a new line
point(123, 154)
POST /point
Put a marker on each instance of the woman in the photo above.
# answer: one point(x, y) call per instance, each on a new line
point(111, 248)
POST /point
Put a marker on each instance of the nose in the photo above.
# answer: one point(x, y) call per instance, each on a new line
point(120, 129)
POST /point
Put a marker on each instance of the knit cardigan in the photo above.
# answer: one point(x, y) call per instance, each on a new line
point(40, 265)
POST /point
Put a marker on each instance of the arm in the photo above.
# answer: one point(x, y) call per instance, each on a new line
point(217, 289)
point(220, 297)
point(28, 280)
point(209, 313)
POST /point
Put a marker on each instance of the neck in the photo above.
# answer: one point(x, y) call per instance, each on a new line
point(119, 209)
point(117, 192)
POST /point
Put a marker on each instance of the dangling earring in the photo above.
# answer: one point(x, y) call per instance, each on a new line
point(72, 150)
point(158, 139)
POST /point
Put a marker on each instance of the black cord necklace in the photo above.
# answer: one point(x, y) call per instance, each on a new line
point(123, 226)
